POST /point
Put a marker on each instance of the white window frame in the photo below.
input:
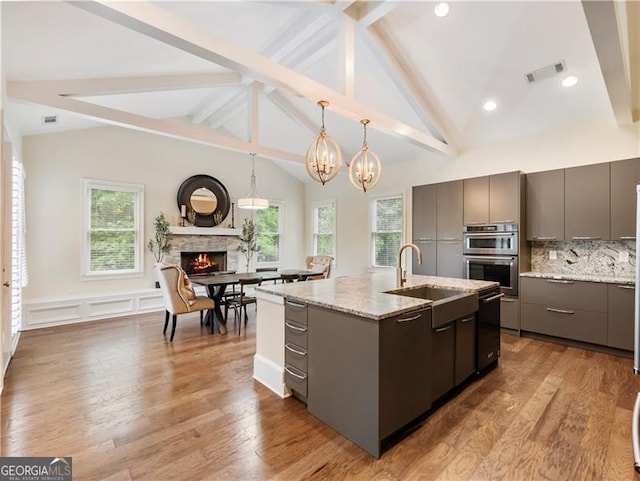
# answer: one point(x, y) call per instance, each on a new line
point(138, 271)
point(372, 224)
point(314, 225)
point(280, 205)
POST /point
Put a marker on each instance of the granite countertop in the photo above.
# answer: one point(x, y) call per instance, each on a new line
point(368, 295)
point(581, 277)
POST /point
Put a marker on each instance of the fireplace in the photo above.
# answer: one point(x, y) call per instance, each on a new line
point(203, 262)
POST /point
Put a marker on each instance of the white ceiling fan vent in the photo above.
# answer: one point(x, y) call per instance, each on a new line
point(545, 72)
point(49, 119)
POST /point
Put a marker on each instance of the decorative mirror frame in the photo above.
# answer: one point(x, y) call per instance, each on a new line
point(195, 182)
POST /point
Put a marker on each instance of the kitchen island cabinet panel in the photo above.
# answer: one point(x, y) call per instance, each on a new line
point(465, 351)
point(443, 359)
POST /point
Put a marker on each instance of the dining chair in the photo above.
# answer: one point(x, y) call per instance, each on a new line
point(289, 277)
point(322, 263)
point(268, 269)
point(240, 302)
point(179, 296)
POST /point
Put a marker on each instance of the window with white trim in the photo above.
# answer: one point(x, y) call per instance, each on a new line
point(113, 229)
point(324, 228)
point(386, 229)
point(269, 224)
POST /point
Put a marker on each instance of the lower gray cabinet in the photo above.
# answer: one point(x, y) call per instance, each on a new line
point(465, 351)
point(443, 359)
point(510, 313)
point(368, 378)
point(428, 250)
point(449, 259)
point(620, 316)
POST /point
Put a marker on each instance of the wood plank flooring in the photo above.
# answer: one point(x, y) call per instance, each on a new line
point(129, 405)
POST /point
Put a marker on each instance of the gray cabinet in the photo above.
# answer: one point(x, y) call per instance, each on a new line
point(449, 259)
point(620, 316)
point(428, 266)
point(443, 360)
point(504, 198)
point(545, 205)
point(476, 200)
point(625, 175)
point(368, 378)
point(449, 207)
point(510, 313)
point(465, 350)
point(424, 212)
point(587, 202)
point(295, 348)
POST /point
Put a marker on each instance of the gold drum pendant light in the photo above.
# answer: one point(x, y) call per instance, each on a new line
point(324, 158)
point(365, 169)
point(252, 201)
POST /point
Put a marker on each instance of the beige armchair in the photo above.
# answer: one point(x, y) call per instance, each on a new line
point(179, 296)
point(319, 263)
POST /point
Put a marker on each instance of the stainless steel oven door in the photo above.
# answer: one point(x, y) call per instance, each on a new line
point(502, 269)
point(496, 243)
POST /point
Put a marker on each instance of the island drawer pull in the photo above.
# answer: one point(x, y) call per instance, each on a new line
point(545, 238)
point(302, 377)
point(556, 281)
point(295, 328)
point(627, 287)
point(560, 311)
point(408, 319)
point(295, 351)
point(295, 304)
point(446, 328)
point(635, 434)
point(492, 298)
point(467, 319)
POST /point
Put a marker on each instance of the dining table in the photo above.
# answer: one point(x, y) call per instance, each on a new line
point(216, 285)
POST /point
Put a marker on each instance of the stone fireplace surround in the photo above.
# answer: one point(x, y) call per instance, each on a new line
point(199, 243)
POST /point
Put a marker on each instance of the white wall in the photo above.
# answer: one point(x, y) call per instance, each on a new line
point(56, 163)
point(579, 145)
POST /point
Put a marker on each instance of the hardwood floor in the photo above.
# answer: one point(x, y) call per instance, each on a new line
point(129, 405)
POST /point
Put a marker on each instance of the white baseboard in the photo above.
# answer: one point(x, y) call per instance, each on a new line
point(39, 313)
point(271, 375)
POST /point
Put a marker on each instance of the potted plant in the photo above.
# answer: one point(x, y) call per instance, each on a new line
point(248, 241)
point(159, 245)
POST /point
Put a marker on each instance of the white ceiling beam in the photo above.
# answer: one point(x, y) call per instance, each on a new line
point(606, 36)
point(162, 25)
point(180, 130)
point(209, 105)
point(347, 62)
point(374, 12)
point(229, 109)
point(633, 27)
point(254, 113)
point(293, 112)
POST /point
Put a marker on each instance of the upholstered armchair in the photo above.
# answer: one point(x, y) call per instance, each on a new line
point(322, 263)
point(179, 296)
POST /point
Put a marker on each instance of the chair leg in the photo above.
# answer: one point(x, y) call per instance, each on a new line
point(173, 328)
point(201, 318)
point(212, 317)
point(166, 322)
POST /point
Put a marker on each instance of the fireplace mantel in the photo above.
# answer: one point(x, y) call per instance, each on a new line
point(192, 230)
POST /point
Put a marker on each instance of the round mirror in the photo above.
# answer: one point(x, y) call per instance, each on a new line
point(203, 201)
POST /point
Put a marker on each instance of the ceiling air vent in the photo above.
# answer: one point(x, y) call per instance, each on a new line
point(545, 72)
point(49, 119)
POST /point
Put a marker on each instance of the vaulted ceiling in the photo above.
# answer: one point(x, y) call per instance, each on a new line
point(246, 76)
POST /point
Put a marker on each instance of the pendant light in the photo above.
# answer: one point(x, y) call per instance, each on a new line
point(365, 169)
point(324, 158)
point(252, 201)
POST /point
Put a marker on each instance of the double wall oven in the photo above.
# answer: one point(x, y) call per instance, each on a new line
point(491, 254)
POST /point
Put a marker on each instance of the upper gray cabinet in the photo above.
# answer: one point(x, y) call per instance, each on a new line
point(424, 212)
point(625, 175)
point(545, 205)
point(493, 199)
point(587, 202)
point(449, 205)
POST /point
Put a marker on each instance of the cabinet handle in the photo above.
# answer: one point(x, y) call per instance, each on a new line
point(295, 328)
point(492, 298)
point(545, 238)
point(560, 311)
point(408, 319)
point(627, 287)
point(508, 221)
point(556, 281)
point(467, 320)
point(303, 377)
point(635, 434)
point(585, 237)
point(425, 238)
point(449, 239)
point(442, 329)
point(627, 237)
point(506, 299)
point(295, 304)
point(295, 351)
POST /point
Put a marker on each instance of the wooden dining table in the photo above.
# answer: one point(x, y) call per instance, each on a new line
point(216, 286)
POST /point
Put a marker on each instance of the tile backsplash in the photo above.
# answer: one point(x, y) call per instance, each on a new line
point(609, 258)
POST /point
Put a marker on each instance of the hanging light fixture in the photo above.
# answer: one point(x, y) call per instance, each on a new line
point(252, 201)
point(365, 169)
point(324, 158)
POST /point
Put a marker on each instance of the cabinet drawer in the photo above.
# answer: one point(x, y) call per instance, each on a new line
point(295, 379)
point(509, 313)
point(295, 356)
point(566, 323)
point(573, 295)
point(295, 311)
point(295, 333)
point(620, 319)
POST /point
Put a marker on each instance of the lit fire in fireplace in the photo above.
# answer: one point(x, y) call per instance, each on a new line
point(202, 263)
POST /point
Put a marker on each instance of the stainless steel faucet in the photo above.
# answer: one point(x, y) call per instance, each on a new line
point(400, 274)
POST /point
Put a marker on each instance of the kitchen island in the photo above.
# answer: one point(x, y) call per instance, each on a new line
point(366, 356)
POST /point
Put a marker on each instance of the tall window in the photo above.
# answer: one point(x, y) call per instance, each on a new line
point(386, 230)
point(113, 229)
point(269, 233)
point(324, 228)
point(19, 274)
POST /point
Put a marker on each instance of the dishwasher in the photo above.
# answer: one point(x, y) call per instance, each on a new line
point(488, 340)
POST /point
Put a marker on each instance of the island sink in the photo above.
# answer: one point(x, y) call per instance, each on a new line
point(448, 304)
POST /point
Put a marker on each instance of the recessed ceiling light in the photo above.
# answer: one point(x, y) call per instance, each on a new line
point(569, 81)
point(489, 105)
point(441, 9)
